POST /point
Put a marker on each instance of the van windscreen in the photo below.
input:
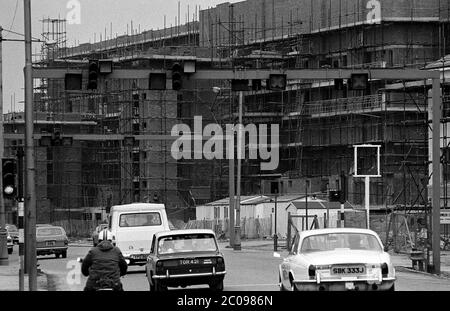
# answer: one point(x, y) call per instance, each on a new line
point(140, 220)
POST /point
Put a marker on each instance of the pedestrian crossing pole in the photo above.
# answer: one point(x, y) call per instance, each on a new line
point(21, 247)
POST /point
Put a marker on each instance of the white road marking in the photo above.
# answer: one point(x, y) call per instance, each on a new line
point(247, 285)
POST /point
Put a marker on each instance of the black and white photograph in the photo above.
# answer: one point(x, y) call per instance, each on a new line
point(219, 151)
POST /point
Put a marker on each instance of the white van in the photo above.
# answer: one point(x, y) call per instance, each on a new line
point(133, 226)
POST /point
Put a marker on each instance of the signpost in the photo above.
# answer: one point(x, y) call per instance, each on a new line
point(367, 173)
point(445, 217)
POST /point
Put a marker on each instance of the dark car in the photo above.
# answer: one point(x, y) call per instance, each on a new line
point(183, 258)
point(97, 230)
point(13, 232)
point(51, 240)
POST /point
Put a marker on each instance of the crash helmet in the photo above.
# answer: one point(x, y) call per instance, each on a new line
point(105, 235)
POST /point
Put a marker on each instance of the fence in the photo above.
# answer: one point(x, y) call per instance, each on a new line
point(78, 228)
point(251, 228)
point(398, 231)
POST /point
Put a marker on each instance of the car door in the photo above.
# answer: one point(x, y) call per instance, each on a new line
point(149, 267)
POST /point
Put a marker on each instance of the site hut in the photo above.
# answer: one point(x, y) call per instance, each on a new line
point(315, 206)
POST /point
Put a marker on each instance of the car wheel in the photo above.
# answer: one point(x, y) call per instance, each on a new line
point(151, 286)
point(159, 287)
point(10, 251)
point(293, 287)
point(282, 288)
point(217, 286)
point(64, 254)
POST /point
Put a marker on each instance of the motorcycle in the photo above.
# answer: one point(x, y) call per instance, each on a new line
point(103, 284)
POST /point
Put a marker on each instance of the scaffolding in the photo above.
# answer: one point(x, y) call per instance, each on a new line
point(319, 120)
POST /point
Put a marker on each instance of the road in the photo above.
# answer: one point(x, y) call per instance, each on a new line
point(248, 270)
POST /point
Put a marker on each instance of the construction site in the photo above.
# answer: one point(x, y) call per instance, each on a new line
point(320, 120)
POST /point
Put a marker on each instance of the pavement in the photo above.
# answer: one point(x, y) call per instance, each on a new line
point(9, 280)
point(9, 276)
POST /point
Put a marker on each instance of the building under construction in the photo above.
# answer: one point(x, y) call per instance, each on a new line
point(320, 121)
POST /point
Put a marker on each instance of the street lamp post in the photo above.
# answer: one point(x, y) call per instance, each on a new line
point(237, 231)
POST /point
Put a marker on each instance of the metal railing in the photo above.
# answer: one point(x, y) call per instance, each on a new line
point(340, 105)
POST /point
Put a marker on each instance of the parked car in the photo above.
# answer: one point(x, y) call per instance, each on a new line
point(13, 233)
point(51, 240)
point(182, 258)
point(10, 244)
point(337, 259)
point(97, 230)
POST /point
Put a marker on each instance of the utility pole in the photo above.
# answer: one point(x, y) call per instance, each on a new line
point(240, 151)
point(30, 195)
point(3, 233)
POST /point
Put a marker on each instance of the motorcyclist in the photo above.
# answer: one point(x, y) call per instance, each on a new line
point(104, 265)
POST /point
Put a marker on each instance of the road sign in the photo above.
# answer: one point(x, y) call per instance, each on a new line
point(445, 217)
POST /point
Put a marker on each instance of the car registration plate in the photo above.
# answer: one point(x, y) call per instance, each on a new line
point(50, 243)
point(189, 261)
point(348, 270)
point(139, 257)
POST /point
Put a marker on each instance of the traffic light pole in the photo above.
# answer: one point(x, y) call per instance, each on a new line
point(30, 194)
point(3, 233)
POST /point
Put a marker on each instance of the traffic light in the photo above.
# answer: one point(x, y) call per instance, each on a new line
point(177, 71)
point(9, 171)
point(93, 75)
point(359, 82)
point(277, 82)
point(239, 85)
point(73, 82)
point(339, 84)
point(335, 195)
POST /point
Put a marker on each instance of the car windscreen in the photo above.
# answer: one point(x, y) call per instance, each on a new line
point(140, 219)
point(187, 243)
point(336, 241)
point(49, 231)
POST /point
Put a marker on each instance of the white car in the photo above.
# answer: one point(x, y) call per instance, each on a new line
point(337, 259)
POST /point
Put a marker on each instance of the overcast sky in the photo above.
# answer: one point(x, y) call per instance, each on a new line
point(96, 15)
